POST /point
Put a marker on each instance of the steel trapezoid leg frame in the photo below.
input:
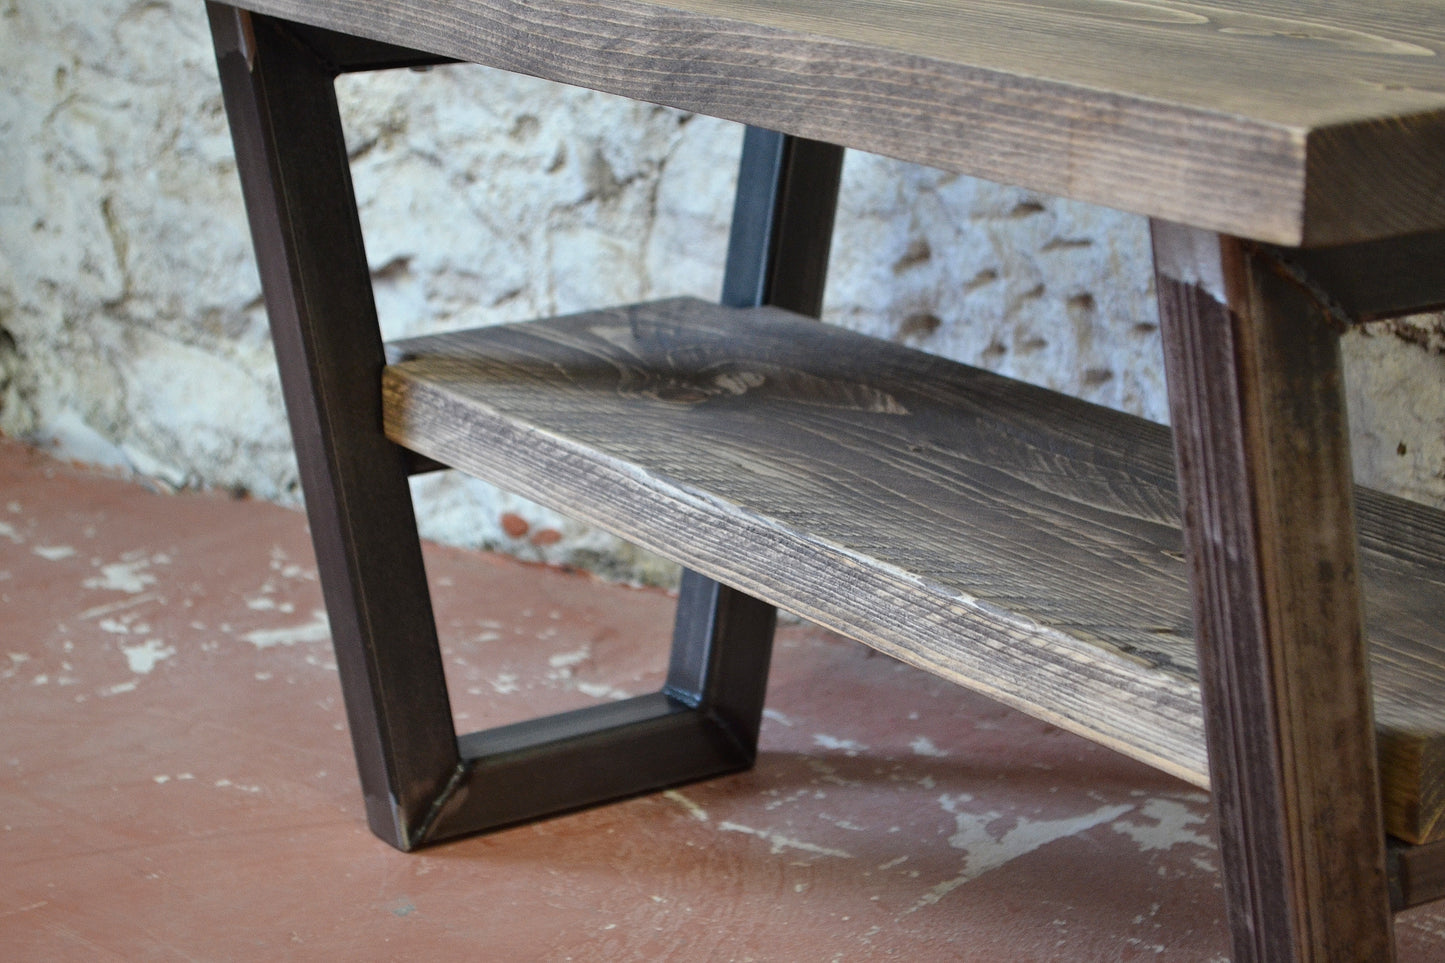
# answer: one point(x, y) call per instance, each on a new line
point(421, 783)
point(280, 98)
point(706, 719)
point(781, 234)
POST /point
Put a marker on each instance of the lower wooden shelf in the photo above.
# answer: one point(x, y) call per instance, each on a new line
point(1009, 538)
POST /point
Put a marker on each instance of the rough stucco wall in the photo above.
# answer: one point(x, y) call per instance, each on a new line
point(132, 334)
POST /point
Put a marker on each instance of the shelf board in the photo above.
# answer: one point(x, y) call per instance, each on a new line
point(1014, 540)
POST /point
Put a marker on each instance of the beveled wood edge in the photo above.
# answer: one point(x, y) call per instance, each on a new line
point(920, 110)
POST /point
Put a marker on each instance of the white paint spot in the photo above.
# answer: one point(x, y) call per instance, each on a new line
point(777, 717)
point(53, 553)
point(1155, 948)
point(1427, 923)
point(506, 683)
point(923, 746)
point(829, 774)
point(261, 604)
point(565, 660)
point(597, 691)
point(1171, 826)
point(119, 689)
point(228, 784)
point(40, 680)
point(693, 808)
point(114, 627)
point(780, 842)
point(285, 569)
point(985, 848)
point(128, 577)
point(143, 657)
point(488, 637)
point(114, 607)
point(161, 780)
point(848, 746)
point(8, 531)
point(892, 863)
point(317, 630)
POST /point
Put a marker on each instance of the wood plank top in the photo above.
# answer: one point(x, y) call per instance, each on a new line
point(1013, 540)
point(1296, 124)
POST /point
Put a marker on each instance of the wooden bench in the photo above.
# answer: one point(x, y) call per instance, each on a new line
point(1014, 540)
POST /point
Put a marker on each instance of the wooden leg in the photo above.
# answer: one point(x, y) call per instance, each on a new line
point(1257, 400)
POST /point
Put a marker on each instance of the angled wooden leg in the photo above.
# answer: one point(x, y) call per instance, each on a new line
point(421, 782)
point(1257, 400)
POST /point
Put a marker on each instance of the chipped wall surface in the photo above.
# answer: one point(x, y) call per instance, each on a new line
point(132, 332)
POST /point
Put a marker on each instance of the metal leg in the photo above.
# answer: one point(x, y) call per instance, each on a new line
point(782, 228)
point(281, 101)
point(421, 782)
point(1257, 400)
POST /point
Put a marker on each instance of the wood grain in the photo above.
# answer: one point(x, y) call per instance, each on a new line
point(1016, 541)
point(1256, 398)
point(1258, 118)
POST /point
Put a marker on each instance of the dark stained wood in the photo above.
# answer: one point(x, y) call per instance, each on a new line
point(1417, 873)
point(1326, 126)
point(1413, 762)
point(1003, 536)
point(1371, 281)
point(1257, 402)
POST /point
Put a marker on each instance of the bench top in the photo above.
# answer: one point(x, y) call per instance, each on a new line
point(1297, 124)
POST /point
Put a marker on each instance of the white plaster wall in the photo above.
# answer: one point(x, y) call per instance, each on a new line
point(132, 334)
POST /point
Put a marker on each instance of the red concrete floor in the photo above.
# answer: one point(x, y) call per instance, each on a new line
point(177, 782)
